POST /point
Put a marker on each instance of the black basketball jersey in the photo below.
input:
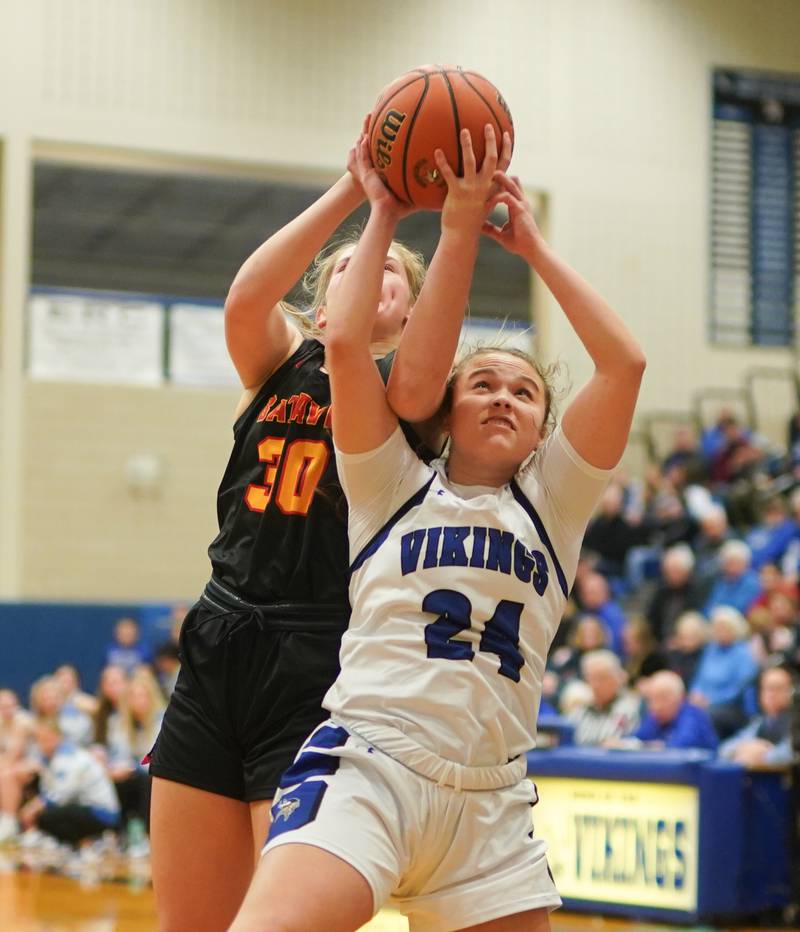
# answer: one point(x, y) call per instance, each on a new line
point(281, 511)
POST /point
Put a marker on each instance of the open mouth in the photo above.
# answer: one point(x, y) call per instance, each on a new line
point(500, 420)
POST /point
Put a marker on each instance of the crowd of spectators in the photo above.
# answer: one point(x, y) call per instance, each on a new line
point(71, 762)
point(683, 628)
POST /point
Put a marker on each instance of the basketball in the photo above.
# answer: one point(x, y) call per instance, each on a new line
point(426, 109)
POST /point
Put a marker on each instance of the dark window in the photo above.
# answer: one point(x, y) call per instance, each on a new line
point(755, 208)
point(184, 236)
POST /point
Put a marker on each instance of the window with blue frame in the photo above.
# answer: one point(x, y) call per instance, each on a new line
point(755, 208)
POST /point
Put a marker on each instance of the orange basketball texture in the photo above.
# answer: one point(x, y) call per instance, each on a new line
point(426, 109)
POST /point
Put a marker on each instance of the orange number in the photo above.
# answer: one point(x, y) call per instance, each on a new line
point(303, 466)
point(269, 451)
point(301, 469)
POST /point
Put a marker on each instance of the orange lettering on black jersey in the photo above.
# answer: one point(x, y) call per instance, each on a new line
point(315, 412)
point(299, 405)
point(278, 413)
point(257, 497)
point(304, 465)
point(295, 473)
point(262, 414)
point(328, 418)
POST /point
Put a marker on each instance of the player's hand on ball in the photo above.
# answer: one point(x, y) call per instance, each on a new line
point(352, 163)
point(503, 161)
point(360, 166)
point(465, 204)
point(519, 234)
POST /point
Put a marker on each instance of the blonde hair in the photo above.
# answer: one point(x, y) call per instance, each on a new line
point(39, 686)
point(142, 676)
point(318, 277)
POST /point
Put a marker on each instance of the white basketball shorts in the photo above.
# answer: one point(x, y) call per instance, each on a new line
point(447, 859)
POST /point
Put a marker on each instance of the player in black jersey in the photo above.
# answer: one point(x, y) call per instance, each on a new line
point(260, 648)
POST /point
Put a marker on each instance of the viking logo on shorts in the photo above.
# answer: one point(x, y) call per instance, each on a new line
point(286, 807)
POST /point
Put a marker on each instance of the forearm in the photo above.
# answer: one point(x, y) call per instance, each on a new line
point(351, 310)
point(424, 358)
point(274, 268)
point(363, 419)
point(602, 332)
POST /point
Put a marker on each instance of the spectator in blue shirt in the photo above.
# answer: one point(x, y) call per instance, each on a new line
point(770, 538)
point(126, 650)
point(76, 799)
point(726, 672)
point(737, 584)
point(595, 596)
point(671, 721)
point(766, 739)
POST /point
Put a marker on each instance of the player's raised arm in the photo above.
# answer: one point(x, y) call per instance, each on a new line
point(258, 334)
point(362, 418)
point(423, 360)
point(598, 419)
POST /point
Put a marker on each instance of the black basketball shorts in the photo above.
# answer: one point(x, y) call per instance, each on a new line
point(249, 692)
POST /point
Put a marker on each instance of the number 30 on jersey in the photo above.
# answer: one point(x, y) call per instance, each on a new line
point(292, 475)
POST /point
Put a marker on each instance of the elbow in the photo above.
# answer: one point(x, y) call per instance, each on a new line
point(236, 302)
point(635, 363)
point(640, 366)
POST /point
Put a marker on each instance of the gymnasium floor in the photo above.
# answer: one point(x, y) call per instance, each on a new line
point(113, 894)
point(31, 902)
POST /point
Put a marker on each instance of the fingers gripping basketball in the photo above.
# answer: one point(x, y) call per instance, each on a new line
point(426, 109)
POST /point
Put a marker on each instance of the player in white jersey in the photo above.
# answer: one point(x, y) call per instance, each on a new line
point(415, 790)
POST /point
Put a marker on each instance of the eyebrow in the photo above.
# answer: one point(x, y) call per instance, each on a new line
point(493, 371)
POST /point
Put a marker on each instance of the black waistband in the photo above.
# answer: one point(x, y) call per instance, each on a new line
point(295, 616)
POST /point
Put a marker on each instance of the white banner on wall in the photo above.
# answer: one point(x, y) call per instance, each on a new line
point(197, 351)
point(79, 338)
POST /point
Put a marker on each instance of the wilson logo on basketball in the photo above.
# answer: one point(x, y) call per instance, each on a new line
point(424, 174)
point(389, 130)
point(502, 103)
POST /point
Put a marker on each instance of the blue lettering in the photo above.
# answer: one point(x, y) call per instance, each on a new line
point(641, 858)
point(432, 550)
point(620, 833)
point(540, 577)
point(410, 549)
point(501, 637)
point(453, 551)
point(499, 557)
point(478, 546)
point(661, 854)
point(523, 562)
point(453, 610)
point(624, 850)
point(680, 855)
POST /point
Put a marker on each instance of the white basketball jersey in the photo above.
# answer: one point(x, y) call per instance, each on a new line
point(456, 594)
